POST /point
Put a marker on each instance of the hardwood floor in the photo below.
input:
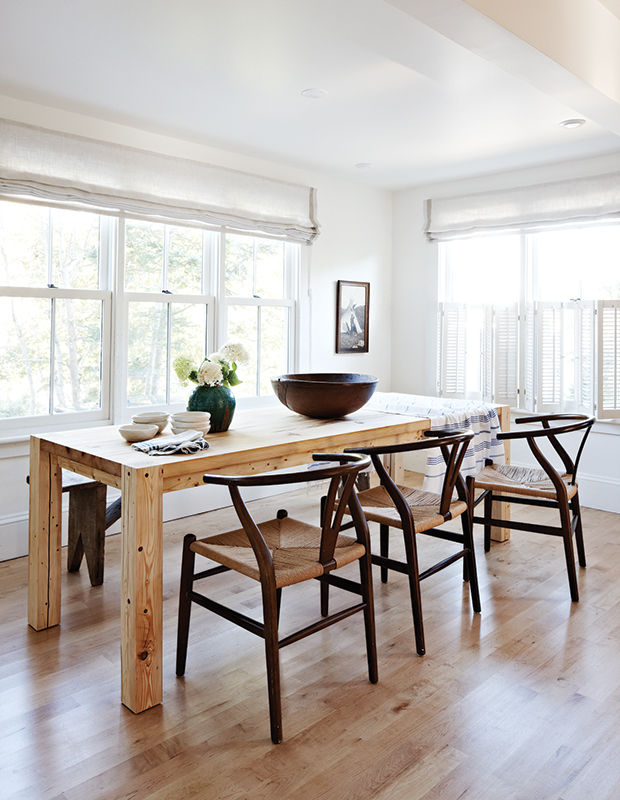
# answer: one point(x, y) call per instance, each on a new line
point(521, 702)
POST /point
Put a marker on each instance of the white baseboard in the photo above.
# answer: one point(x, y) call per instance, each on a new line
point(177, 505)
point(594, 491)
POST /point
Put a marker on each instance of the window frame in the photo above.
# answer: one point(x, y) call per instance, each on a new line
point(290, 300)
point(115, 310)
point(588, 363)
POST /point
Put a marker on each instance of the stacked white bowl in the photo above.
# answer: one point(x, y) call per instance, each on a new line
point(159, 418)
point(191, 421)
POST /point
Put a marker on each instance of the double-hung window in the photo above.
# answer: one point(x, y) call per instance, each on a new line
point(260, 288)
point(95, 309)
point(55, 315)
point(167, 308)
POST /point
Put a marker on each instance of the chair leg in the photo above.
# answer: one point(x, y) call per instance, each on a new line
point(569, 552)
point(324, 599)
point(87, 524)
point(581, 551)
point(384, 549)
point(185, 604)
point(414, 589)
point(324, 586)
point(272, 655)
point(469, 562)
point(488, 514)
point(278, 604)
point(369, 617)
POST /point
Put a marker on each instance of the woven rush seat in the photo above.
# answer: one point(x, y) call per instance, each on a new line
point(379, 506)
point(294, 548)
point(521, 480)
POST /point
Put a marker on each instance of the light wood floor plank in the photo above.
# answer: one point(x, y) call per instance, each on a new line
point(521, 702)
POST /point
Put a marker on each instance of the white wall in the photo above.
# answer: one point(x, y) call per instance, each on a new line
point(355, 244)
point(414, 304)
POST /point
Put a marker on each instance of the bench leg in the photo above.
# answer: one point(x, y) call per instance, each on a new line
point(87, 524)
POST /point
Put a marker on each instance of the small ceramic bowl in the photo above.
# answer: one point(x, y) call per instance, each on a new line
point(191, 416)
point(204, 428)
point(138, 433)
point(151, 418)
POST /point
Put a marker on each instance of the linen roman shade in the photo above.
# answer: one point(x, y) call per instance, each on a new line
point(77, 172)
point(573, 201)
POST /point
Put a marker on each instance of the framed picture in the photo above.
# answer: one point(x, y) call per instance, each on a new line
point(352, 317)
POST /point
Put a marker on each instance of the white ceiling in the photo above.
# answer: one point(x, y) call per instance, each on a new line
point(401, 95)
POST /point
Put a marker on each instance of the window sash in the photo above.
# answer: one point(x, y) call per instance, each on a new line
point(71, 418)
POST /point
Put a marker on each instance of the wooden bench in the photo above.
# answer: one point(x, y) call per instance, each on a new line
point(89, 518)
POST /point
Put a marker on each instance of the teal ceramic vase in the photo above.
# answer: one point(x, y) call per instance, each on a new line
point(219, 401)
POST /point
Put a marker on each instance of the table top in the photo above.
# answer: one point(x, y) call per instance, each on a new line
point(258, 441)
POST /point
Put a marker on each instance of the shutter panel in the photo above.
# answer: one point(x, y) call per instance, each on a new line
point(453, 322)
point(506, 361)
point(529, 358)
point(608, 379)
point(549, 332)
point(486, 356)
point(584, 353)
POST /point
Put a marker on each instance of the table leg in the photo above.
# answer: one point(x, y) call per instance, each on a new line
point(44, 538)
point(502, 510)
point(142, 587)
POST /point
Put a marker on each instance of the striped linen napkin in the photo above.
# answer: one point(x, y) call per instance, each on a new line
point(185, 443)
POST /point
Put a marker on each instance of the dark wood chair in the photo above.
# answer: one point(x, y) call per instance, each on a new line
point(415, 512)
point(282, 552)
point(544, 487)
point(89, 518)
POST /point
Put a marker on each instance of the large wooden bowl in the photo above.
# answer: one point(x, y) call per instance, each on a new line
point(324, 395)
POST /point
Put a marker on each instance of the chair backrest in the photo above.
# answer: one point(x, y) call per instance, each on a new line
point(345, 470)
point(552, 426)
point(453, 445)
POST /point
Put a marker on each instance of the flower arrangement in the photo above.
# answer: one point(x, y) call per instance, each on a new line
point(217, 369)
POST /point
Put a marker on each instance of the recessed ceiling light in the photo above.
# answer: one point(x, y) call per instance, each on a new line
point(364, 165)
point(314, 93)
point(572, 123)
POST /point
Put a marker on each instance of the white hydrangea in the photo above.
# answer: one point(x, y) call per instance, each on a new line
point(210, 374)
point(235, 351)
point(217, 356)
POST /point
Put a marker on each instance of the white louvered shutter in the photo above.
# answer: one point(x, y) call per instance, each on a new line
point(506, 356)
point(584, 356)
point(452, 349)
point(528, 382)
point(549, 336)
point(608, 378)
point(487, 371)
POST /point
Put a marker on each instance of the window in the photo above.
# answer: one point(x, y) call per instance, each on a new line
point(54, 314)
point(536, 324)
point(94, 310)
point(167, 309)
point(260, 306)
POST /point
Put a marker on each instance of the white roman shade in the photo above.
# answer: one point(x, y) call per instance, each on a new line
point(75, 172)
point(525, 207)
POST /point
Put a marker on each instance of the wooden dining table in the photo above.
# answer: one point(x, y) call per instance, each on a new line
point(260, 440)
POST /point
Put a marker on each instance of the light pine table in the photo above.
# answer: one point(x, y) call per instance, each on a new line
point(259, 441)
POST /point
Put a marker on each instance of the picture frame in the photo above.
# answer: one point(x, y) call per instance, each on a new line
point(352, 315)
